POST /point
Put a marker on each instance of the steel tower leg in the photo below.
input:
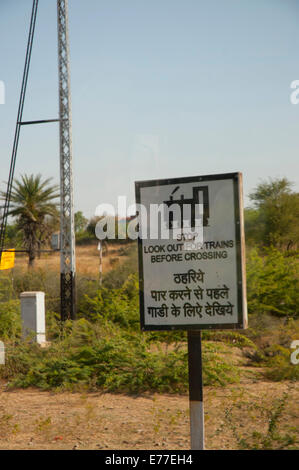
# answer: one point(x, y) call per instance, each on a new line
point(67, 232)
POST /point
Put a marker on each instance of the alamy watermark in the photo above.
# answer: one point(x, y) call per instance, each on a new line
point(165, 221)
point(294, 96)
point(2, 92)
point(295, 354)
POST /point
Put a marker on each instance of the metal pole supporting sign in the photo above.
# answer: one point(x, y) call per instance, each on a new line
point(196, 390)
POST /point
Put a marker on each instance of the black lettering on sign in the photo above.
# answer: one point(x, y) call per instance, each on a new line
point(154, 249)
point(218, 293)
point(190, 276)
point(218, 309)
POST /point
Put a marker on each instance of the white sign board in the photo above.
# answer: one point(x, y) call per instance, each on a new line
point(193, 276)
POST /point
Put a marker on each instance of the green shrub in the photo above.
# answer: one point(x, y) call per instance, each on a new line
point(10, 320)
point(39, 280)
point(6, 287)
point(52, 373)
point(216, 370)
point(272, 283)
point(20, 357)
point(120, 306)
point(85, 238)
point(279, 364)
point(111, 358)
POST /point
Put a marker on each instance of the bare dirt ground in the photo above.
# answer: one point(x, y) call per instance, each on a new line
point(32, 419)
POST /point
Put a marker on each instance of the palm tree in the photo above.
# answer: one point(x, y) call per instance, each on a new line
point(32, 204)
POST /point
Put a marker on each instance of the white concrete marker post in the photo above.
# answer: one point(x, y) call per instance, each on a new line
point(33, 315)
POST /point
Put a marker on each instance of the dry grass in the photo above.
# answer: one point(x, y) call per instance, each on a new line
point(87, 260)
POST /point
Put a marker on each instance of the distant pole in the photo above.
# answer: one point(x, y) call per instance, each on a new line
point(100, 248)
point(196, 390)
point(67, 225)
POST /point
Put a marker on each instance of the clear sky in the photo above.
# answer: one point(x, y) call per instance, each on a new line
point(160, 88)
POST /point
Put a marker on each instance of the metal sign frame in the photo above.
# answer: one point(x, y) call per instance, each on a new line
point(240, 252)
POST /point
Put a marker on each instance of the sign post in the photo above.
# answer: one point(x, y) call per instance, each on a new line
point(191, 253)
point(196, 391)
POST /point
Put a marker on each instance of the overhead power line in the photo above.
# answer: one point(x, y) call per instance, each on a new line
point(18, 126)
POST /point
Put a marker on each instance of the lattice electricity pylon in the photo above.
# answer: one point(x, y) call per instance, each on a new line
point(67, 232)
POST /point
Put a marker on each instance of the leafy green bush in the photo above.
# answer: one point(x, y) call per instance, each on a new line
point(39, 280)
point(6, 287)
point(105, 356)
point(272, 283)
point(216, 370)
point(85, 238)
point(279, 364)
point(10, 320)
point(120, 306)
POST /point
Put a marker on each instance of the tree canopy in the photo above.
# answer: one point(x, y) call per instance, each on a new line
point(33, 204)
point(274, 218)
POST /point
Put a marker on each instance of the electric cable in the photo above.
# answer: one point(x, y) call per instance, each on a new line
point(18, 125)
